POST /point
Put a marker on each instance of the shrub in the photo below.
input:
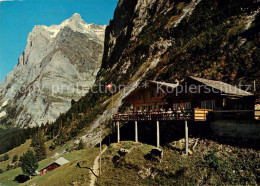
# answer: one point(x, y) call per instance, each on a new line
point(222, 167)
point(6, 157)
point(15, 158)
point(81, 145)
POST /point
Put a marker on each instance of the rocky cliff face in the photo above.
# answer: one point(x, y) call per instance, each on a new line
point(168, 39)
point(59, 64)
point(213, 39)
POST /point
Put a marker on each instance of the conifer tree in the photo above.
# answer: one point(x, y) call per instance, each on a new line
point(39, 146)
point(81, 145)
point(29, 163)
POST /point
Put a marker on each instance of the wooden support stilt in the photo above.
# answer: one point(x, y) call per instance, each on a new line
point(136, 132)
point(100, 153)
point(118, 132)
point(186, 138)
point(158, 134)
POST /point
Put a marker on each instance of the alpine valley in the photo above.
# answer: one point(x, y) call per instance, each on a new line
point(155, 40)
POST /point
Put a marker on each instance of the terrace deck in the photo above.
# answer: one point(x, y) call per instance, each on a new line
point(189, 115)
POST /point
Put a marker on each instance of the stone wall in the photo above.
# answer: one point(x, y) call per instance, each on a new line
point(242, 130)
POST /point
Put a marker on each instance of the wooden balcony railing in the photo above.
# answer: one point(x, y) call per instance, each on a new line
point(189, 114)
point(157, 116)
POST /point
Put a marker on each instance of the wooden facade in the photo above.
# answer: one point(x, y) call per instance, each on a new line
point(208, 95)
point(194, 94)
point(59, 162)
point(49, 168)
point(147, 98)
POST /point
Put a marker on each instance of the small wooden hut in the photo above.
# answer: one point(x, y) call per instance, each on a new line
point(59, 162)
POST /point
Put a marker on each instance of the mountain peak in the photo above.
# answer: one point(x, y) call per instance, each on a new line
point(75, 22)
point(76, 16)
point(67, 54)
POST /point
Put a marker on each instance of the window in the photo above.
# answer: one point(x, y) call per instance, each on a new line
point(203, 104)
point(152, 94)
point(208, 104)
point(175, 106)
point(211, 104)
point(187, 105)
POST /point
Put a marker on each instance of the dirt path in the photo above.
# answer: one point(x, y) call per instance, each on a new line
point(95, 168)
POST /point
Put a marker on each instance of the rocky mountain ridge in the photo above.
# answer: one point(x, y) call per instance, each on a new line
point(59, 64)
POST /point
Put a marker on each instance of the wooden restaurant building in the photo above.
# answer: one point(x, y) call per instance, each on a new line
point(196, 95)
point(195, 100)
point(149, 97)
point(202, 95)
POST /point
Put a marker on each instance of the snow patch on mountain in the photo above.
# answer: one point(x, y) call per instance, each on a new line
point(77, 24)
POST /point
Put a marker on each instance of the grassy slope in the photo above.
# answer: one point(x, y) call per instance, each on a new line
point(230, 165)
point(18, 150)
point(69, 173)
point(24, 147)
point(65, 175)
point(7, 177)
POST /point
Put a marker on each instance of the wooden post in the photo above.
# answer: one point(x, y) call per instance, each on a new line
point(186, 138)
point(158, 134)
point(100, 148)
point(136, 132)
point(118, 132)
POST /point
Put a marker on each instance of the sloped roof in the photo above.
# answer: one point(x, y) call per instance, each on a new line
point(171, 85)
point(60, 161)
point(146, 85)
point(223, 87)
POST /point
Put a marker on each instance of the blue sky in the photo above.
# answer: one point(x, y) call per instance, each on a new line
point(18, 17)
